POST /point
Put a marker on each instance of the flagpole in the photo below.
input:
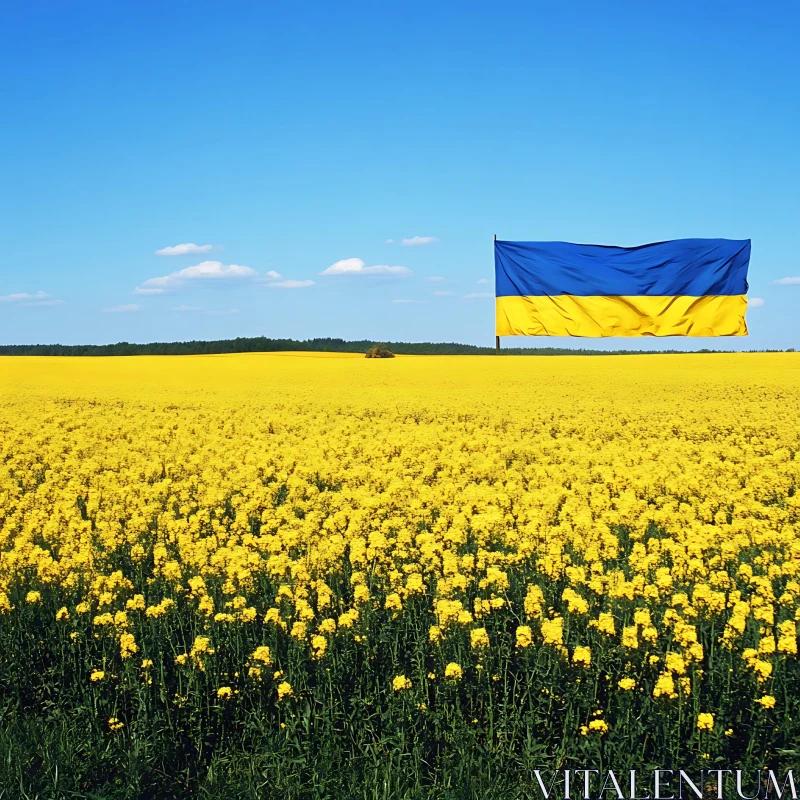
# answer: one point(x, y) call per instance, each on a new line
point(496, 338)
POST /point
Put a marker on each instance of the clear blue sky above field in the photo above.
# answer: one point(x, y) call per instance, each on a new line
point(293, 137)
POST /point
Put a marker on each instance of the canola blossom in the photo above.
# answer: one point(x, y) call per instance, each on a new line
point(552, 537)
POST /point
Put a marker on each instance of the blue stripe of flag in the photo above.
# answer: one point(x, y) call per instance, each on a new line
point(690, 267)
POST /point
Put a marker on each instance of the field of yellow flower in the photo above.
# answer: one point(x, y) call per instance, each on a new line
point(308, 575)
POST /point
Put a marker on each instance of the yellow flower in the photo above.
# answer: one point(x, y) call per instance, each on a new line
point(642, 616)
point(285, 690)
point(33, 597)
point(200, 647)
point(705, 721)
point(626, 684)
point(298, 630)
point(630, 637)
point(604, 623)
point(524, 636)
point(224, 692)
point(348, 619)
point(127, 645)
point(575, 603)
point(319, 644)
point(62, 615)
point(393, 602)
point(114, 724)
point(767, 701)
point(598, 726)
point(675, 663)
point(262, 653)
point(401, 683)
point(453, 671)
point(787, 639)
point(763, 669)
point(361, 594)
point(97, 675)
point(464, 617)
point(553, 631)
point(582, 655)
point(534, 601)
point(414, 584)
point(665, 686)
point(479, 638)
point(273, 616)
point(136, 603)
point(650, 634)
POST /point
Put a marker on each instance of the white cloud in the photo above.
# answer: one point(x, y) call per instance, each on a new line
point(416, 241)
point(22, 297)
point(481, 280)
point(28, 299)
point(291, 284)
point(443, 294)
point(436, 279)
point(476, 295)
point(355, 266)
point(389, 241)
point(272, 275)
point(122, 309)
point(156, 286)
point(755, 302)
point(215, 269)
point(187, 308)
point(204, 271)
point(186, 249)
point(793, 281)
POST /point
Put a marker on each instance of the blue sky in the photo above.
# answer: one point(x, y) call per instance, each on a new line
point(294, 136)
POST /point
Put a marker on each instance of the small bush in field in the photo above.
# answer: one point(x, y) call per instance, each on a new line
point(379, 351)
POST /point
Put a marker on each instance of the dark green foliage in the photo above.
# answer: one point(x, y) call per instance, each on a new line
point(345, 733)
point(261, 344)
point(379, 351)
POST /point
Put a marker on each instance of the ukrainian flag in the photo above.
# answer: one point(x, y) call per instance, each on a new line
point(686, 287)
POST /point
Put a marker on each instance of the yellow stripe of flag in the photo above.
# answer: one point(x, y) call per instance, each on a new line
point(642, 315)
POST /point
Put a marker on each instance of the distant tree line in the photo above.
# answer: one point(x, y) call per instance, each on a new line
point(260, 344)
